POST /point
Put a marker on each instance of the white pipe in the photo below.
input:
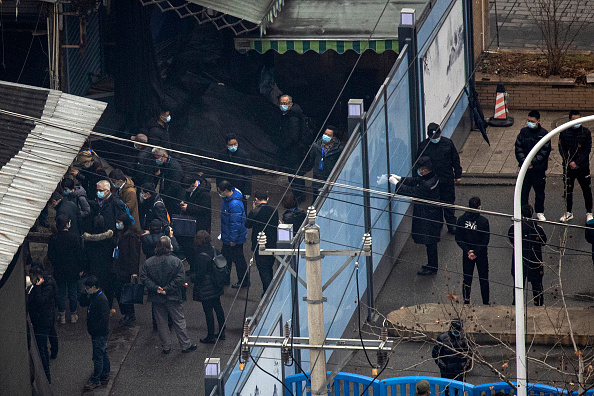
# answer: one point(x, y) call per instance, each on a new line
point(521, 376)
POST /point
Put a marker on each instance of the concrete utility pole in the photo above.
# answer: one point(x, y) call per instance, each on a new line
point(315, 308)
point(521, 376)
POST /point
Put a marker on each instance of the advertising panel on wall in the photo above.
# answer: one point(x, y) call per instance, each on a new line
point(443, 67)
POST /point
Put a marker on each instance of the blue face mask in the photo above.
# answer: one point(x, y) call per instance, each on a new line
point(531, 125)
point(67, 192)
point(159, 162)
point(142, 196)
point(284, 108)
point(455, 334)
point(168, 118)
point(326, 139)
point(419, 172)
point(232, 148)
point(100, 194)
point(576, 126)
point(435, 140)
point(119, 226)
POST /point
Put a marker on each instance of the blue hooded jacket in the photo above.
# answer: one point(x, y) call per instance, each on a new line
point(233, 219)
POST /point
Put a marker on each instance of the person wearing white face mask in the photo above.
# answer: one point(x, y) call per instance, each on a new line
point(535, 178)
point(575, 145)
point(158, 129)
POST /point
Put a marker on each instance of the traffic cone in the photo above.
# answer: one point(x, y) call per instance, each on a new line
point(501, 117)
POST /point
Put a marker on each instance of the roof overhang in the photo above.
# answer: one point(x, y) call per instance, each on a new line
point(46, 133)
point(320, 46)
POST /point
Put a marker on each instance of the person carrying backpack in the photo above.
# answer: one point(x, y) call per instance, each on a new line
point(208, 282)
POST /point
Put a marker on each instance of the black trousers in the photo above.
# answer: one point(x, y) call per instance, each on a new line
point(209, 306)
point(537, 180)
point(265, 265)
point(447, 194)
point(482, 267)
point(537, 290)
point(298, 185)
point(582, 175)
point(125, 309)
point(41, 336)
point(53, 340)
point(234, 254)
point(432, 259)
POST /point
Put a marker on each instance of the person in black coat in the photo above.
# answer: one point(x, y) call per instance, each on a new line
point(263, 217)
point(293, 215)
point(107, 206)
point(64, 252)
point(196, 204)
point(575, 145)
point(42, 297)
point(98, 328)
point(91, 172)
point(452, 353)
point(324, 155)
point(206, 289)
point(240, 177)
point(292, 142)
point(158, 129)
point(156, 231)
point(472, 235)
point(144, 164)
point(98, 245)
point(535, 176)
point(533, 239)
point(151, 207)
point(68, 209)
point(170, 175)
point(446, 165)
point(427, 218)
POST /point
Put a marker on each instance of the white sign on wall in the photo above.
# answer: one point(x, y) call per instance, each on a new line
point(443, 67)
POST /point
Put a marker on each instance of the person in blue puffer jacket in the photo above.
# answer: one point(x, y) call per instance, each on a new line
point(233, 232)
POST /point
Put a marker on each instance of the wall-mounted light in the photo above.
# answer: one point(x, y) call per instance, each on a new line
point(355, 108)
point(407, 17)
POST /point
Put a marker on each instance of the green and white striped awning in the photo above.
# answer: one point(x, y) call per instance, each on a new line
point(320, 46)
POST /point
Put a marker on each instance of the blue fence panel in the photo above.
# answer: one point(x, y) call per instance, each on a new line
point(345, 384)
point(407, 386)
point(399, 133)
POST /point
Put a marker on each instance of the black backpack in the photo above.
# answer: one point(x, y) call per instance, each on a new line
point(219, 270)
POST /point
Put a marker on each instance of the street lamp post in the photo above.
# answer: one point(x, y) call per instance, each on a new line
point(519, 276)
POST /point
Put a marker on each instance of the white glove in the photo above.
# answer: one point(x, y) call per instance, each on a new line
point(394, 179)
point(381, 180)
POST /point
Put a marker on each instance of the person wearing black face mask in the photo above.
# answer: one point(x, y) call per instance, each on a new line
point(575, 145)
point(452, 353)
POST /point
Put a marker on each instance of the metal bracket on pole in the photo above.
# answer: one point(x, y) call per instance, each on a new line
point(323, 300)
point(342, 268)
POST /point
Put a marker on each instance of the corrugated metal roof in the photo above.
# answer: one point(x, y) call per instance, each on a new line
point(340, 19)
point(251, 10)
point(29, 177)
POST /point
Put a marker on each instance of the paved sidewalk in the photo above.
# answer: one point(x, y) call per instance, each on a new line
point(478, 158)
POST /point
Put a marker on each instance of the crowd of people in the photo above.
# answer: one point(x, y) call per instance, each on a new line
point(149, 224)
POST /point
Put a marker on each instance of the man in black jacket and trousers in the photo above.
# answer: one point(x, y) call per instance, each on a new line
point(452, 353)
point(427, 218)
point(263, 218)
point(98, 328)
point(575, 145)
point(293, 143)
point(472, 235)
point(535, 176)
point(197, 205)
point(446, 165)
point(324, 155)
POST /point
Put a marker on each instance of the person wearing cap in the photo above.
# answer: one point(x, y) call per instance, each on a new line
point(446, 165)
point(451, 352)
point(144, 163)
point(535, 177)
point(533, 239)
point(575, 145)
point(427, 218)
point(472, 235)
point(423, 388)
point(90, 173)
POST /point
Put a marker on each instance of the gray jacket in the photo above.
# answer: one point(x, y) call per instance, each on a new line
point(166, 271)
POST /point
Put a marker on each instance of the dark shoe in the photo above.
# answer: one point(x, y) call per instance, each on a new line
point(124, 319)
point(54, 355)
point(189, 349)
point(166, 351)
point(239, 285)
point(90, 385)
point(211, 339)
point(104, 381)
point(130, 321)
point(221, 335)
point(426, 271)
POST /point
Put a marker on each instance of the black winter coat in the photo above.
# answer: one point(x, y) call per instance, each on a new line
point(294, 216)
point(170, 179)
point(64, 252)
point(149, 242)
point(98, 253)
point(451, 354)
point(70, 210)
point(158, 134)
point(533, 238)
point(472, 233)
point(128, 261)
point(575, 145)
point(201, 267)
point(199, 205)
point(97, 313)
point(166, 271)
point(290, 128)
point(257, 220)
point(526, 140)
point(144, 167)
point(152, 209)
point(329, 160)
point(110, 208)
point(41, 303)
point(427, 219)
point(444, 158)
point(239, 177)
